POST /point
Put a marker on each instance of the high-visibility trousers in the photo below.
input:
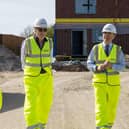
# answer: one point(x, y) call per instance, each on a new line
point(38, 99)
point(1, 99)
point(106, 102)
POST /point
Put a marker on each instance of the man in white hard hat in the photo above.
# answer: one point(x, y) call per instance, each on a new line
point(38, 80)
point(106, 60)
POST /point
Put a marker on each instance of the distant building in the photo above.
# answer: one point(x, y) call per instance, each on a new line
point(79, 23)
point(12, 42)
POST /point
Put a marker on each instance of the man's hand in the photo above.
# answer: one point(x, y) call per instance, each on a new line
point(107, 64)
point(101, 67)
point(104, 66)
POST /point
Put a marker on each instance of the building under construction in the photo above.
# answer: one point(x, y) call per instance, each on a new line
point(79, 23)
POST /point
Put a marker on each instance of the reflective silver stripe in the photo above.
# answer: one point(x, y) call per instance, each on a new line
point(100, 61)
point(37, 126)
point(38, 56)
point(113, 73)
point(117, 53)
point(105, 126)
point(41, 126)
point(29, 46)
point(109, 127)
point(96, 53)
point(33, 126)
point(108, 73)
point(26, 48)
point(37, 65)
point(51, 43)
point(99, 72)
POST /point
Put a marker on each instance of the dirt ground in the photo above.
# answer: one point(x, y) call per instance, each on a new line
point(73, 106)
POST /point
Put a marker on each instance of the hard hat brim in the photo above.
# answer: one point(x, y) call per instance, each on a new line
point(43, 26)
point(108, 31)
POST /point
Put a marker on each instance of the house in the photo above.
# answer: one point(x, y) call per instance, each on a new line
point(12, 42)
point(79, 24)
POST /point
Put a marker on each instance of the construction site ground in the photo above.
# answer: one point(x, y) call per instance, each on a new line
point(73, 106)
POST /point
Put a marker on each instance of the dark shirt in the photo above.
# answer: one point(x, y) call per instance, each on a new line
point(41, 45)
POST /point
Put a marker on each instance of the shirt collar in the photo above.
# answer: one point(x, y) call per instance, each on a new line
point(36, 38)
point(110, 45)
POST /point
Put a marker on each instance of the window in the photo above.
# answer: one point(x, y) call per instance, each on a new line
point(97, 35)
point(85, 6)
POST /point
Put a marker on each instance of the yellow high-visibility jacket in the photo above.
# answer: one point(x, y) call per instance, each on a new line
point(108, 76)
point(36, 58)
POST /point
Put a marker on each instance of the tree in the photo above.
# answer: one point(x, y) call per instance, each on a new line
point(29, 31)
point(50, 32)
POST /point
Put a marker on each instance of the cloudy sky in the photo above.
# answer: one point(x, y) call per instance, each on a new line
point(15, 15)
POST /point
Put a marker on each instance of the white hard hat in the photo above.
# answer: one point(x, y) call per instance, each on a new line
point(109, 28)
point(40, 22)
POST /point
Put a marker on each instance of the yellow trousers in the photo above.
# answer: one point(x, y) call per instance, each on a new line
point(106, 101)
point(38, 99)
point(1, 99)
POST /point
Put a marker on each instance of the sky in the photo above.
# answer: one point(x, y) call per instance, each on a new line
point(16, 15)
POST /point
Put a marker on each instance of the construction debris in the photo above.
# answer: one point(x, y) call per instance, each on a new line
point(8, 60)
point(76, 66)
